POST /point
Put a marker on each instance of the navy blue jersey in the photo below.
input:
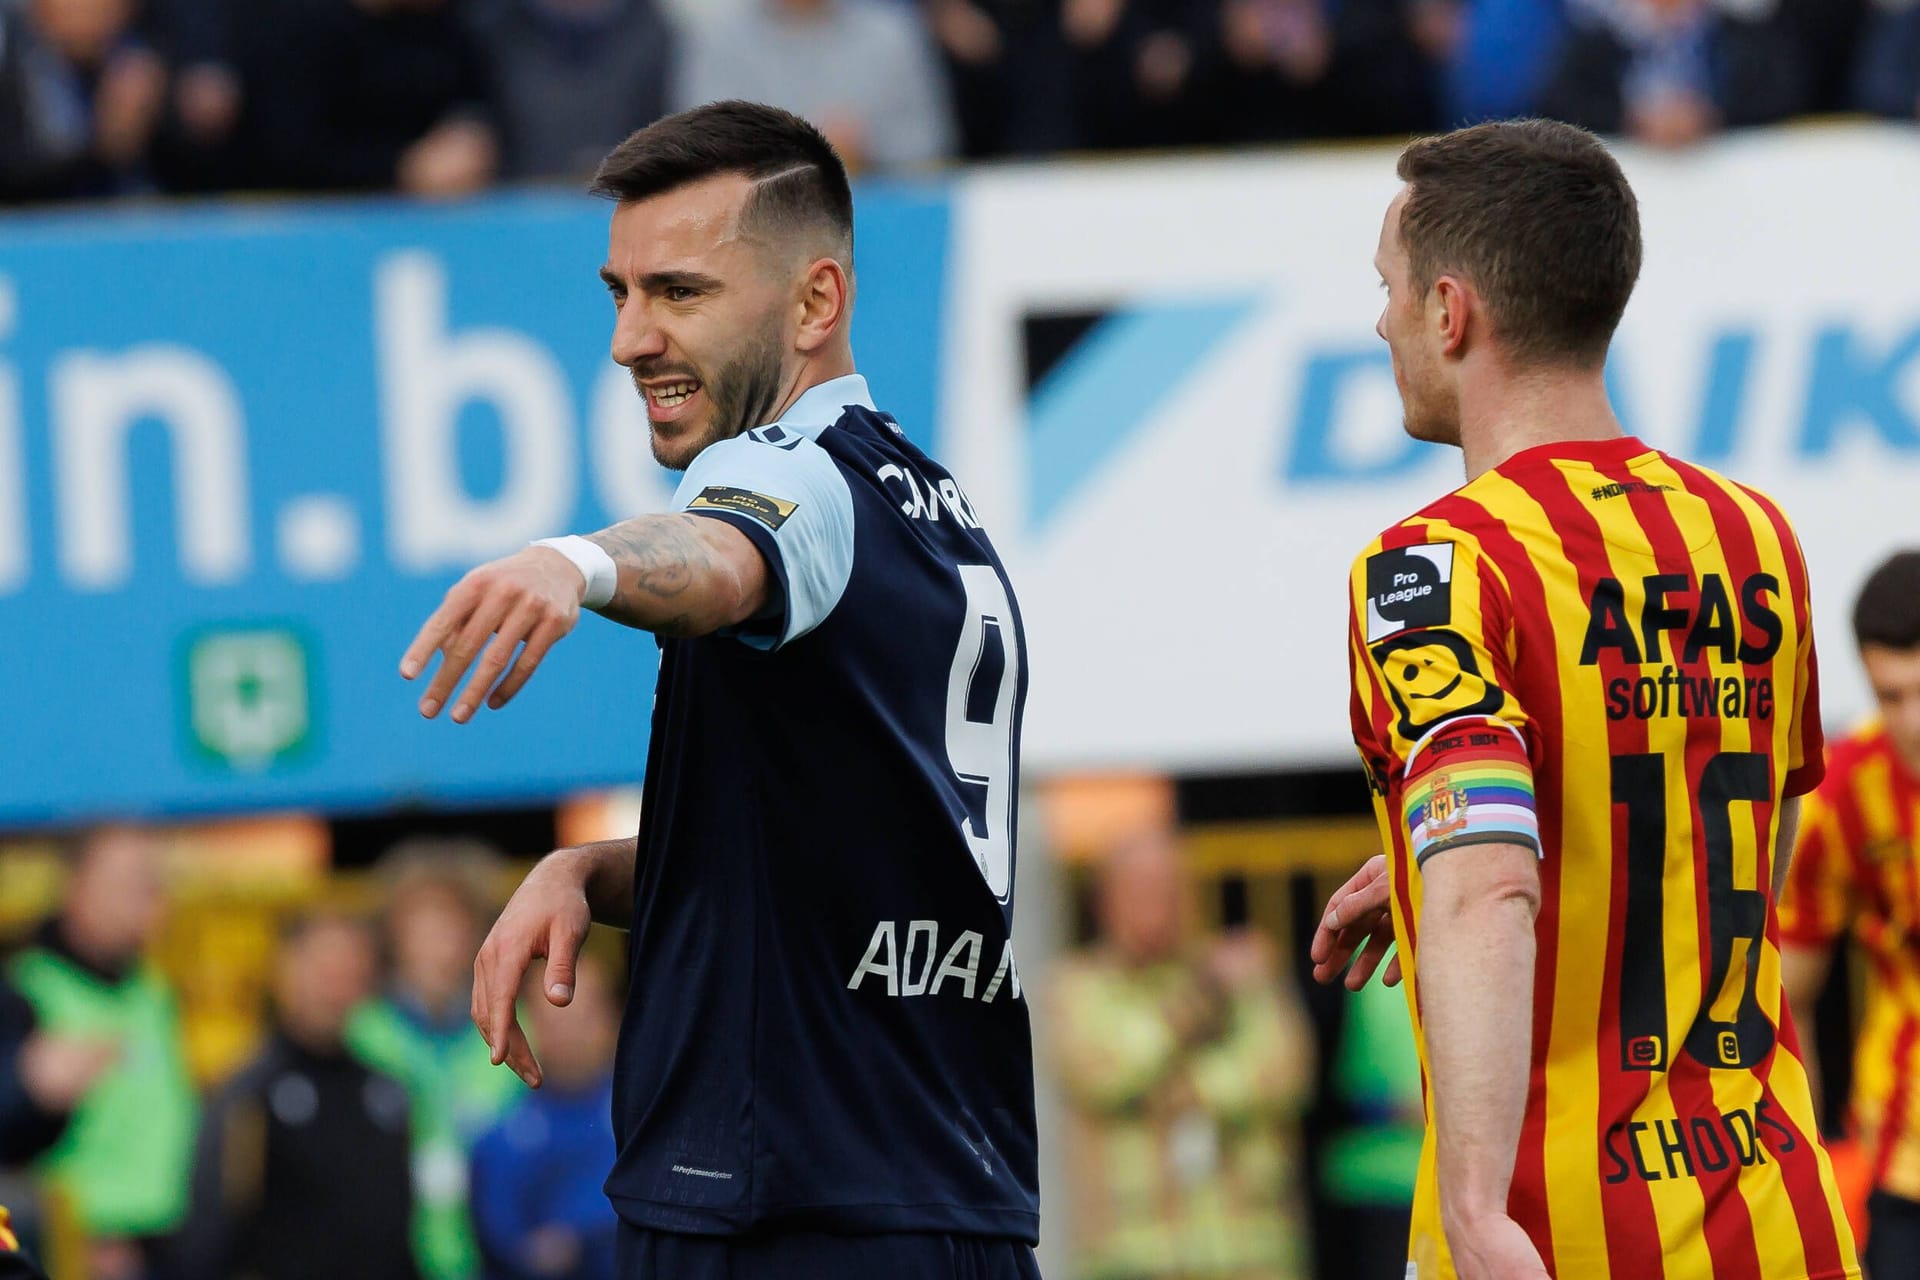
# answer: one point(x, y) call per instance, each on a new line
point(826, 1029)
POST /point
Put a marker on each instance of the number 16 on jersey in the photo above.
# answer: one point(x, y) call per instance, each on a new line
point(980, 695)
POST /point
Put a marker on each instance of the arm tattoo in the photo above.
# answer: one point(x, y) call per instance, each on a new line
point(662, 565)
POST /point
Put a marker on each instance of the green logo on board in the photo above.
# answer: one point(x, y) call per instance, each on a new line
point(249, 696)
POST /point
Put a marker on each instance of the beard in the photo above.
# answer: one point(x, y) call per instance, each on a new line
point(742, 395)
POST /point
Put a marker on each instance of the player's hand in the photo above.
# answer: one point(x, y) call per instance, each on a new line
point(547, 916)
point(1494, 1247)
point(530, 599)
point(1358, 912)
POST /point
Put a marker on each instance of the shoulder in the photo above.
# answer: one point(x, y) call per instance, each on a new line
point(767, 474)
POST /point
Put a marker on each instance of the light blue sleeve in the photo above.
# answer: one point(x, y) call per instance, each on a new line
point(787, 494)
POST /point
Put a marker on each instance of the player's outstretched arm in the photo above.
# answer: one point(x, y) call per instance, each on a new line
point(1359, 912)
point(1476, 1000)
point(676, 575)
point(547, 917)
point(682, 575)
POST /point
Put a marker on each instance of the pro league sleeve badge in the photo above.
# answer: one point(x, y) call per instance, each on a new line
point(1409, 588)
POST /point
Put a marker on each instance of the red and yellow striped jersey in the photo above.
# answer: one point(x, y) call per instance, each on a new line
point(1615, 643)
point(1857, 865)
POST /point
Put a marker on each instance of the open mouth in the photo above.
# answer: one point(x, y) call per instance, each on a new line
point(669, 400)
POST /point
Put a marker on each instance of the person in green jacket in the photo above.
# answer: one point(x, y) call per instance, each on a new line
point(123, 1162)
point(421, 1033)
point(1186, 1064)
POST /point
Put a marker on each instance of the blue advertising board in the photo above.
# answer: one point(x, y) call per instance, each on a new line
point(244, 450)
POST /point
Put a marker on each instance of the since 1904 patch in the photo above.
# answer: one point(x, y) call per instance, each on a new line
point(1409, 587)
point(771, 512)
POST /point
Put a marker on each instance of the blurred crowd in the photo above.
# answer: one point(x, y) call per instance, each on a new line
point(1216, 1122)
point(368, 1135)
point(446, 97)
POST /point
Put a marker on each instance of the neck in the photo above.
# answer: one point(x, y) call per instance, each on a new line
point(811, 372)
point(1503, 415)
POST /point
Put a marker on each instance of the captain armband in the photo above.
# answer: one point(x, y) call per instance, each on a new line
point(1469, 782)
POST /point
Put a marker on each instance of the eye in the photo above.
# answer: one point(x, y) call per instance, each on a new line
point(680, 293)
point(618, 295)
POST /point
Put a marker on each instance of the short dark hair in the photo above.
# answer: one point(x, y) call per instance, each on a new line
point(1888, 609)
point(800, 179)
point(1540, 218)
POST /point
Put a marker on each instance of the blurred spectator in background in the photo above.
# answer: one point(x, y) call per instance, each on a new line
point(1006, 61)
point(80, 98)
point(1369, 1166)
point(302, 1169)
point(43, 1077)
point(1494, 55)
point(123, 1161)
point(538, 1202)
point(1324, 68)
point(201, 115)
point(421, 1033)
point(1672, 72)
point(1186, 1067)
point(863, 71)
point(1887, 80)
point(1145, 73)
point(363, 95)
point(572, 78)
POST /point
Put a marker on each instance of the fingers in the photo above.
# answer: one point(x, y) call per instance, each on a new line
point(457, 654)
point(519, 1054)
point(563, 949)
point(506, 639)
point(1368, 960)
point(497, 973)
point(435, 629)
point(1392, 976)
point(544, 637)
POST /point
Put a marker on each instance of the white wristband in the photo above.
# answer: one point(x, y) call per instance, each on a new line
point(594, 564)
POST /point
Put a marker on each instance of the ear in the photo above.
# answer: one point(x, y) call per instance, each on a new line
point(1454, 302)
point(824, 295)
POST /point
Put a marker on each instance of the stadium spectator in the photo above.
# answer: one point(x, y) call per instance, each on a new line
point(43, 1077)
point(363, 95)
point(864, 71)
point(1185, 1068)
point(1144, 71)
point(1494, 56)
point(420, 1033)
point(302, 1165)
point(80, 97)
point(200, 119)
point(1887, 78)
point(1006, 61)
point(572, 78)
point(1672, 72)
point(1324, 68)
point(123, 1160)
point(538, 1205)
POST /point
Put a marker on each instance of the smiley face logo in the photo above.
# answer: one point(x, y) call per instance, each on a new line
point(1433, 676)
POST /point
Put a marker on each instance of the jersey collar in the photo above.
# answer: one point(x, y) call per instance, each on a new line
point(822, 405)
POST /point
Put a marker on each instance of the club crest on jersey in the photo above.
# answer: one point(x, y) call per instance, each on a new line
point(1446, 808)
point(771, 512)
point(1408, 588)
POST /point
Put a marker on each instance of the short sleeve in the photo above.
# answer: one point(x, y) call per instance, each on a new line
point(1806, 741)
point(1435, 717)
point(1817, 902)
point(788, 496)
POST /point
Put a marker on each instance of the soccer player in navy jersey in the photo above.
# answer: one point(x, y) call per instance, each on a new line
point(824, 1067)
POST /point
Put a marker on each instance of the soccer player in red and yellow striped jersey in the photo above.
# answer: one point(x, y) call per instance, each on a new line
point(1857, 867)
point(1584, 688)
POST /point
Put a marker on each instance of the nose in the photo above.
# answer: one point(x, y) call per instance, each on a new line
point(636, 336)
point(1380, 325)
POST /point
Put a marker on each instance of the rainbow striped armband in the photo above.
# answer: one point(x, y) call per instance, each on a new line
point(1469, 782)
